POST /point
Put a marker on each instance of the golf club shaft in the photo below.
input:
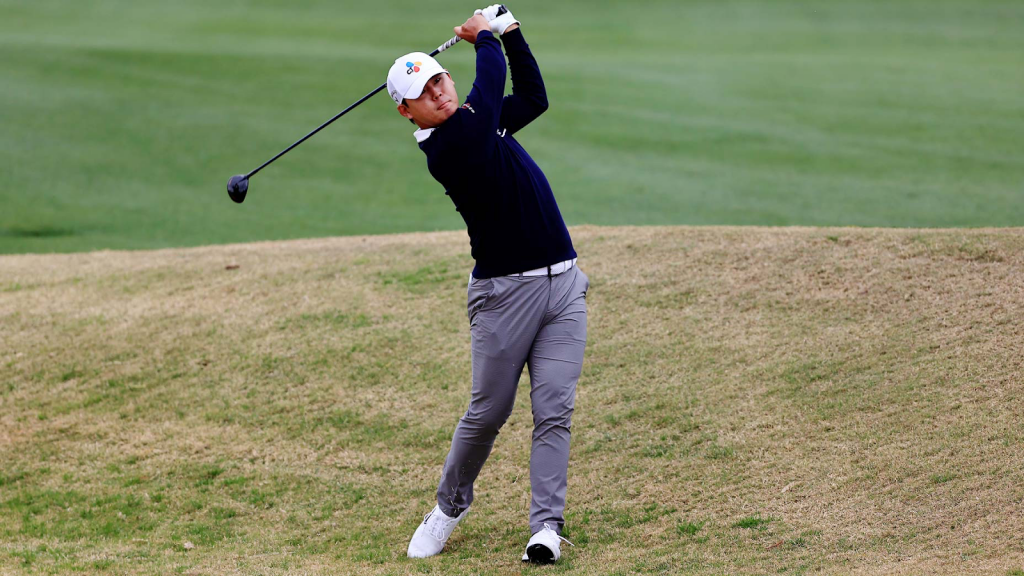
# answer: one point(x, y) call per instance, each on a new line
point(437, 51)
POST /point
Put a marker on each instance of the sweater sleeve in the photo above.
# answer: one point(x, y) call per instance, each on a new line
point(485, 99)
point(528, 99)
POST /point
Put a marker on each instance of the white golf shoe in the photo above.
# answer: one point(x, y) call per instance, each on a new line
point(543, 547)
point(433, 532)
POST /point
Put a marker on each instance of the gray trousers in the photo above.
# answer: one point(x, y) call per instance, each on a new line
point(540, 322)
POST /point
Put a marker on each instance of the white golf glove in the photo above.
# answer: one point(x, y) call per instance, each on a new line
point(498, 23)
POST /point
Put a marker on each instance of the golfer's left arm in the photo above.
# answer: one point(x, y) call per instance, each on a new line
point(529, 99)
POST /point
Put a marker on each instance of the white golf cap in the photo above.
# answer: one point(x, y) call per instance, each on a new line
point(409, 73)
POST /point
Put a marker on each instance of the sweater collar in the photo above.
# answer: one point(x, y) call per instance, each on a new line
point(422, 134)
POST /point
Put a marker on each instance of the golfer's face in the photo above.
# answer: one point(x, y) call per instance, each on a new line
point(437, 102)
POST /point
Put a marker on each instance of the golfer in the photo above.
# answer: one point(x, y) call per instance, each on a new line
point(526, 296)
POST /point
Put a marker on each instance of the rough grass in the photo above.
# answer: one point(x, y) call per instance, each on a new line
point(754, 401)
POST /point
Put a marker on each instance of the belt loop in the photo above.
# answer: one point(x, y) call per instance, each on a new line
point(549, 270)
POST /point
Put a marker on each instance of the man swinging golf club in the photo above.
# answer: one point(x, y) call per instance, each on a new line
point(526, 297)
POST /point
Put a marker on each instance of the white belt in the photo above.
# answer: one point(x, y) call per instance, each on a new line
point(555, 269)
point(551, 270)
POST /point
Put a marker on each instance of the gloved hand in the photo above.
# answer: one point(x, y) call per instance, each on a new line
point(498, 17)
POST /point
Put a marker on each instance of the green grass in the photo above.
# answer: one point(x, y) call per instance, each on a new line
point(689, 528)
point(122, 120)
point(753, 401)
point(752, 522)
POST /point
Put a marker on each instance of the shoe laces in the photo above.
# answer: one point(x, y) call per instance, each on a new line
point(438, 525)
point(566, 540)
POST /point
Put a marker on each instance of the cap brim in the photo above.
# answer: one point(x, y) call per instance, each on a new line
point(416, 88)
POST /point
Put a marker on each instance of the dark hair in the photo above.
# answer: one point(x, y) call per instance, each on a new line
point(406, 105)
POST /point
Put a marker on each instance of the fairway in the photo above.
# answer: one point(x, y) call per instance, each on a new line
point(753, 401)
point(122, 120)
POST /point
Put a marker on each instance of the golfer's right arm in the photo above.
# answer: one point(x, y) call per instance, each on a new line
point(489, 86)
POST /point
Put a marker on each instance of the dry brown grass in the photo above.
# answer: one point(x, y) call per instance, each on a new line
point(859, 389)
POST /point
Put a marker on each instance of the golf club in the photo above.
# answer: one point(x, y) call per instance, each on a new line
point(238, 185)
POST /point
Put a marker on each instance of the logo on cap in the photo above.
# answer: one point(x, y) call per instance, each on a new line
point(411, 67)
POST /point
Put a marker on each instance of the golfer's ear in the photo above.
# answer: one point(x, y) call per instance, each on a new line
point(404, 111)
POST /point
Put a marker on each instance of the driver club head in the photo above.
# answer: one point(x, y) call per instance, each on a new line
point(237, 187)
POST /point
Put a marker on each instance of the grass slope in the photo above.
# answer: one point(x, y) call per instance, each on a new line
point(753, 401)
point(123, 119)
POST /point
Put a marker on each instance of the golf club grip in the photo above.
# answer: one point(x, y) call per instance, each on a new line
point(455, 39)
point(445, 46)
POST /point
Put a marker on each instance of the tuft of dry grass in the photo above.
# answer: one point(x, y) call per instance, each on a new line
point(753, 400)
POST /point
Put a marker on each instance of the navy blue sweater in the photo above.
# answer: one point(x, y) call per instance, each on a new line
point(510, 212)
